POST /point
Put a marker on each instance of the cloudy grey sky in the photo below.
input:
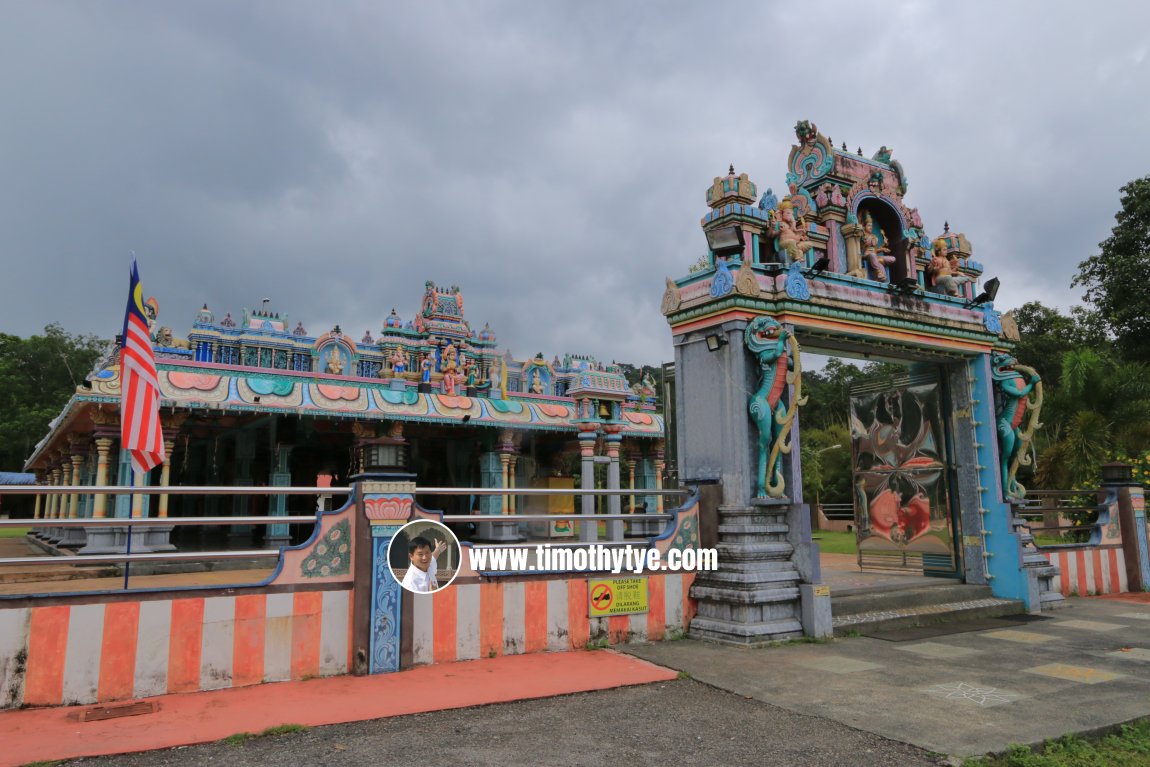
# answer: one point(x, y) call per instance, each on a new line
point(549, 158)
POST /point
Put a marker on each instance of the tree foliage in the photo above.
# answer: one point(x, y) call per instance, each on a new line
point(1117, 278)
point(37, 376)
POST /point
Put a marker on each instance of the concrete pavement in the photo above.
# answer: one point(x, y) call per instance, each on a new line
point(1084, 667)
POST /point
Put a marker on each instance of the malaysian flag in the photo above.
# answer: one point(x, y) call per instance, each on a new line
point(140, 432)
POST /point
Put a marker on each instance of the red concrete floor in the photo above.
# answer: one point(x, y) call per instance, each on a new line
point(46, 734)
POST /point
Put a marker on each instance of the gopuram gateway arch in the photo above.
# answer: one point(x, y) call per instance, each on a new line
point(841, 265)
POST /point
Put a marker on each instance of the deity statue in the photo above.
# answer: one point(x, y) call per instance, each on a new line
point(876, 255)
point(398, 361)
point(425, 367)
point(472, 370)
point(334, 361)
point(779, 363)
point(450, 381)
point(495, 376)
point(789, 232)
point(944, 271)
point(536, 382)
point(1017, 393)
point(450, 358)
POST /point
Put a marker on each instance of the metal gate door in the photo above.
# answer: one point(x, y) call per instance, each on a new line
point(903, 515)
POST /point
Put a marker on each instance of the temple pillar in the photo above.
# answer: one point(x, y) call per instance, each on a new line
point(36, 511)
point(588, 435)
point(495, 471)
point(614, 502)
point(629, 465)
point(73, 537)
point(852, 233)
point(165, 477)
point(660, 467)
point(51, 479)
point(53, 504)
point(103, 447)
point(241, 504)
point(280, 534)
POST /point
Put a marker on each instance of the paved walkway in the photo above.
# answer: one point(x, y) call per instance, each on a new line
point(1084, 667)
point(942, 689)
point(35, 735)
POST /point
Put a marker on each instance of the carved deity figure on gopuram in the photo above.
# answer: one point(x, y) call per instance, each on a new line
point(877, 254)
point(778, 357)
point(943, 270)
point(1017, 392)
point(789, 237)
point(333, 362)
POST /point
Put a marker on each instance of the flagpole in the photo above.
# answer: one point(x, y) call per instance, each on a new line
point(131, 515)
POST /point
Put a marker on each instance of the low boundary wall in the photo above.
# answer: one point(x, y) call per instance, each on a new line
point(79, 653)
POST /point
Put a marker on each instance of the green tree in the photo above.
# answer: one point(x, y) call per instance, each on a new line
point(1117, 278)
point(1100, 410)
point(37, 376)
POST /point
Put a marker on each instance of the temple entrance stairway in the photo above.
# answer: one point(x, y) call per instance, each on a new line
point(753, 598)
point(917, 602)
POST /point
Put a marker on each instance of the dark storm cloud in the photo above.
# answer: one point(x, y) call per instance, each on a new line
point(549, 159)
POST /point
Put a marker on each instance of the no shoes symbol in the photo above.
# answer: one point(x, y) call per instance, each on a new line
point(601, 597)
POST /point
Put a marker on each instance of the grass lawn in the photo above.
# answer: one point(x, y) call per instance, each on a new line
point(13, 532)
point(835, 543)
point(1126, 748)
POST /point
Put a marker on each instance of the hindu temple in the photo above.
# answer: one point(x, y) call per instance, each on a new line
point(255, 398)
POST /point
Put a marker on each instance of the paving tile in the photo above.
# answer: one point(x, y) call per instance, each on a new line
point(1087, 625)
point(937, 650)
point(838, 664)
point(1131, 653)
point(1081, 674)
point(1026, 637)
point(973, 694)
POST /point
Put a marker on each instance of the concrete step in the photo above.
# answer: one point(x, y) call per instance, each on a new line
point(896, 597)
point(926, 615)
point(744, 596)
point(759, 528)
point(743, 634)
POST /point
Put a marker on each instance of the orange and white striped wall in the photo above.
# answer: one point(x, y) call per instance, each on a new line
point(1090, 570)
point(511, 617)
point(78, 653)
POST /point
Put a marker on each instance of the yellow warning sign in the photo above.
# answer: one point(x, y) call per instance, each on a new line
point(622, 596)
point(822, 591)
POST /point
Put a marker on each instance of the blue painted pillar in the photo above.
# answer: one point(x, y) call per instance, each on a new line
point(1002, 547)
point(279, 535)
point(490, 475)
point(386, 502)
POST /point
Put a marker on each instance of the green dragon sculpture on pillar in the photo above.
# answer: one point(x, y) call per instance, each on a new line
point(1017, 389)
point(778, 354)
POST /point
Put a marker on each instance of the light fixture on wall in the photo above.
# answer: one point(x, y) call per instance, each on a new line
point(715, 342)
point(384, 453)
point(725, 240)
point(989, 291)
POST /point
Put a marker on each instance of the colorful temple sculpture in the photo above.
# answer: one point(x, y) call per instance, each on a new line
point(841, 264)
point(256, 400)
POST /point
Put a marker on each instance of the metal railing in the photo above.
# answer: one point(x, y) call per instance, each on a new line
point(127, 558)
point(838, 511)
point(1066, 518)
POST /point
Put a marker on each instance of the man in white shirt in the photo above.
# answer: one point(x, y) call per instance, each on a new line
point(420, 577)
